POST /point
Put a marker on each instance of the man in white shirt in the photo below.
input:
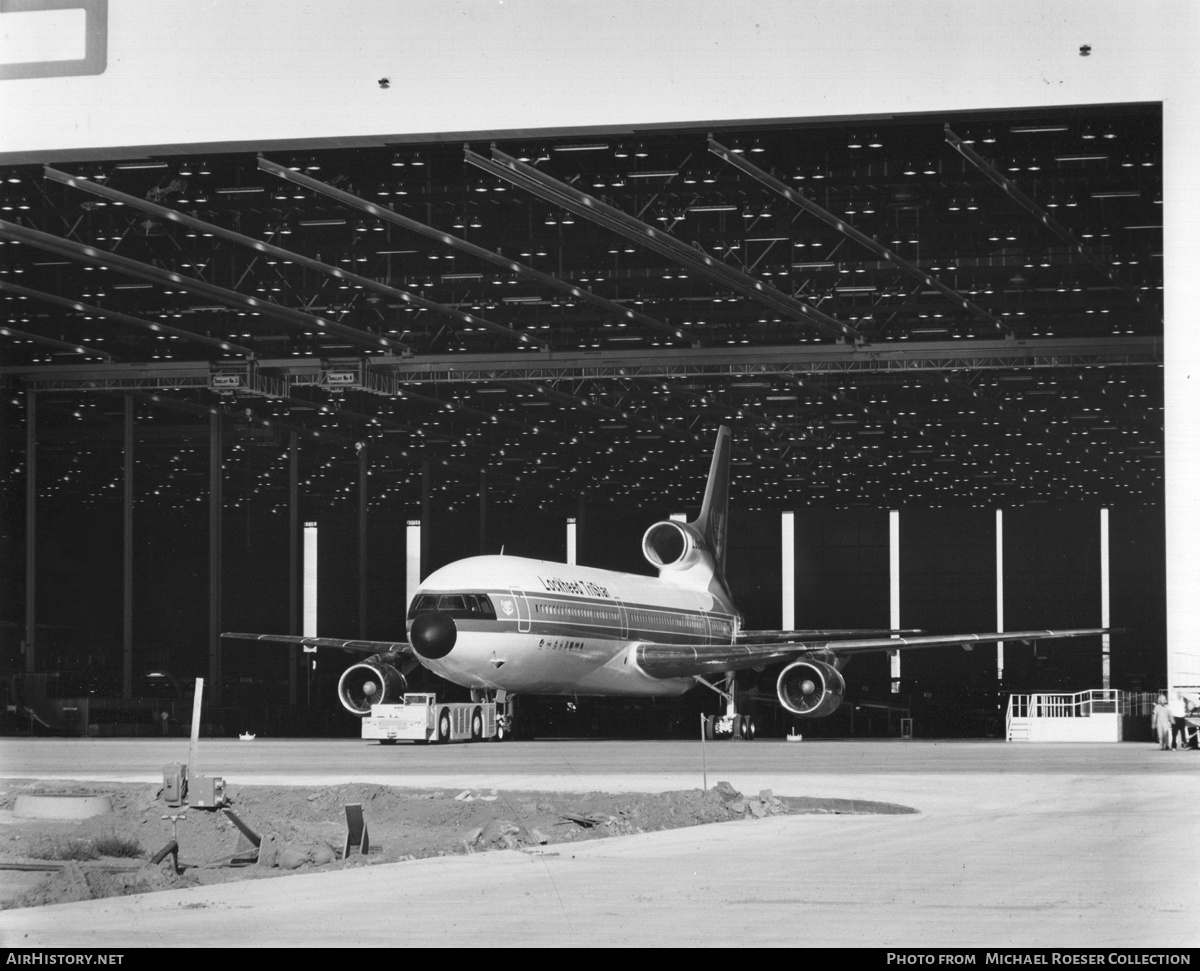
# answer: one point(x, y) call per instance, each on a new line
point(1179, 709)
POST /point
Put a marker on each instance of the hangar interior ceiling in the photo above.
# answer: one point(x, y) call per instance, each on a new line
point(890, 311)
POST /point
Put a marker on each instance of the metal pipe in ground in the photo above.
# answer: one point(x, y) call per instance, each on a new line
point(196, 702)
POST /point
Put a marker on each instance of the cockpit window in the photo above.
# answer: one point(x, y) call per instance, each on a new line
point(454, 604)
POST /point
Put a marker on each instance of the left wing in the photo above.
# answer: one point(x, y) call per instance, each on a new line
point(365, 647)
point(682, 661)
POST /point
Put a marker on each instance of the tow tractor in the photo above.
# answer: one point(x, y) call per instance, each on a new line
point(421, 718)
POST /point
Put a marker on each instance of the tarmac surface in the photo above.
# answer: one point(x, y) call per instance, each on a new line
point(1085, 845)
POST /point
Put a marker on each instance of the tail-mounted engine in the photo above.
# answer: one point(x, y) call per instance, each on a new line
point(810, 689)
point(672, 545)
point(371, 682)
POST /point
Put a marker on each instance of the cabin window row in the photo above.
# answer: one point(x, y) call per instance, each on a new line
point(570, 610)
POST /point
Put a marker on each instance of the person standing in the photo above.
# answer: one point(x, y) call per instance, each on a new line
point(1160, 720)
point(1178, 709)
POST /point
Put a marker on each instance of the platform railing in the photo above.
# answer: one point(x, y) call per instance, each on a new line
point(1081, 704)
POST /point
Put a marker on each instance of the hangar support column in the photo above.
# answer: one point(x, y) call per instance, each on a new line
point(363, 470)
point(581, 530)
point(293, 564)
point(214, 557)
point(127, 562)
point(426, 486)
point(30, 532)
point(482, 511)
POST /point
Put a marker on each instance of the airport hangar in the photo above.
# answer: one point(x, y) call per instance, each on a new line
point(938, 337)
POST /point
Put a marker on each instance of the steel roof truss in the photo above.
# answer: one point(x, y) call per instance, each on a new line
point(551, 190)
point(269, 249)
point(464, 246)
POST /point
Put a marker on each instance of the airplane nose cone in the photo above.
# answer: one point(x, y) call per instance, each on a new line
point(433, 635)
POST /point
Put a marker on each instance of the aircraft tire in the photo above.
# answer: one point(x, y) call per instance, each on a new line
point(708, 728)
point(444, 726)
point(749, 730)
point(501, 734)
point(387, 741)
point(476, 725)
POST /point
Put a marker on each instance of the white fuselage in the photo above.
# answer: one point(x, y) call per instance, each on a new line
point(572, 630)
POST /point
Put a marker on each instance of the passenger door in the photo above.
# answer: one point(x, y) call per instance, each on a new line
point(522, 606)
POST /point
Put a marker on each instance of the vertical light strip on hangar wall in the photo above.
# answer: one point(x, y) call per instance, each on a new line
point(309, 599)
point(894, 589)
point(787, 543)
point(412, 562)
point(1105, 639)
point(572, 539)
point(1000, 593)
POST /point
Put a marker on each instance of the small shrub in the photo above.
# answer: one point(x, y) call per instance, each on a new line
point(64, 848)
point(114, 845)
point(79, 849)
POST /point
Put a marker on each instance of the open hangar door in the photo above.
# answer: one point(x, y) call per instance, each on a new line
point(940, 313)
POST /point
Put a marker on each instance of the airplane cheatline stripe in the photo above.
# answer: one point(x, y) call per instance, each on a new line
point(541, 597)
point(645, 621)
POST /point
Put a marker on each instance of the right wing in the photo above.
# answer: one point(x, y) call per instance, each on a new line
point(684, 661)
point(792, 636)
point(364, 647)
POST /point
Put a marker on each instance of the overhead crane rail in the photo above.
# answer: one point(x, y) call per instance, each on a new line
point(386, 373)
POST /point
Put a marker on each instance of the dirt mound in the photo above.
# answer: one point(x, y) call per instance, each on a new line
point(297, 829)
point(76, 881)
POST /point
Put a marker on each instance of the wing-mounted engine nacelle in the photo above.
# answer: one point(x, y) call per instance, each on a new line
point(371, 682)
point(810, 689)
point(672, 545)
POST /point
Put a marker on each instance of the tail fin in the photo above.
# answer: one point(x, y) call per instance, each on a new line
point(713, 521)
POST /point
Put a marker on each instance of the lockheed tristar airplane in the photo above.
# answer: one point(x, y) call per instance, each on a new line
point(504, 626)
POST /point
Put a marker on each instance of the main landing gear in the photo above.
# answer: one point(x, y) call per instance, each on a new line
point(731, 724)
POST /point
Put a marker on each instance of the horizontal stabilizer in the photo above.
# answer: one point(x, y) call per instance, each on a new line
point(366, 647)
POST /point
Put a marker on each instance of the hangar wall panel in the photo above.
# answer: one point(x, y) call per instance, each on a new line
point(337, 556)
point(1052, 579)
point(841, 568)
point(948, 583)
point(610, 537)
point(841, 577)
point(254, 589)
point(1138, 605)
point(453, 532)
point(752, 567)
point(170, 602)
point(79, 588)
point(387, 547)
point(537, 534)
